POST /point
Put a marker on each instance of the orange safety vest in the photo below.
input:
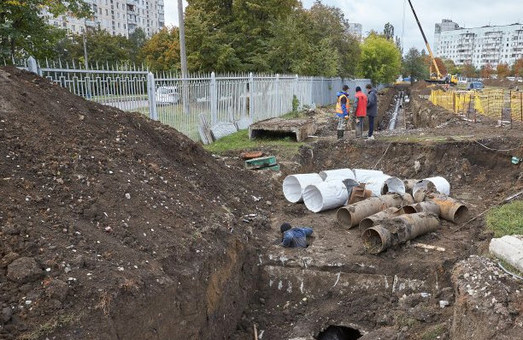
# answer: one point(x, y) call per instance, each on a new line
point(361, 110)
point(339, 109)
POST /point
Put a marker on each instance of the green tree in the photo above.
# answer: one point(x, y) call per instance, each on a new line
point(450, 66)
point(24, 31)
point(162, 51)
point(414, 65)
point(380, 59)
point(328, 24)
point(388, 31)
point(137, 40)
point(102, 47)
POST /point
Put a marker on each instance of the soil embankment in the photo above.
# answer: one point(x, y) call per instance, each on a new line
point(114, 226)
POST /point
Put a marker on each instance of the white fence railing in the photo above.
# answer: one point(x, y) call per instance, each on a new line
point(197, 103)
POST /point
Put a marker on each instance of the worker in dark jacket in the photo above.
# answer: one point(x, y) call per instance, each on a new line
point(294, 237)
point(360, 110)
point(372, 108)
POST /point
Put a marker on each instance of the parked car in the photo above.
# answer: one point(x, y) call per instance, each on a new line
point(167, 95)
point(475, 85)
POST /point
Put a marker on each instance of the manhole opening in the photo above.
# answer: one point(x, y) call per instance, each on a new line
point(339, 333)
point(270, 134)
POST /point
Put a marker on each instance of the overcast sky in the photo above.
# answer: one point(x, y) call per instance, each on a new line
point(374, 14)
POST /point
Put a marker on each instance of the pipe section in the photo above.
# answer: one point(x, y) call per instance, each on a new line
point(325, 195)
point(394, 118)
point(451, 210)
point(379, 217)
point(393, 185)
point(352, 214)
point(428, 185)
point(426, 206)
point(293, 185)
point(409, 184)
point(398, 230)
point(363, 175)
point(340, 174)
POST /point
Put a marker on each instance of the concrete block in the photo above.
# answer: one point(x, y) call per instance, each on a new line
point(509, 249)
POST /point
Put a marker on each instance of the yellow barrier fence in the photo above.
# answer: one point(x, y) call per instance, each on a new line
point(498, 104)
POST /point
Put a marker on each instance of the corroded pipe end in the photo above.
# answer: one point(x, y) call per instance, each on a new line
point(376, 239)
point(344, 217)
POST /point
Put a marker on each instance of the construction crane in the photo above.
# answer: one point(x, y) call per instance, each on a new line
point(435, 77)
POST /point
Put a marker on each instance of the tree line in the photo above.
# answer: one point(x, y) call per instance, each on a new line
point(272, 36)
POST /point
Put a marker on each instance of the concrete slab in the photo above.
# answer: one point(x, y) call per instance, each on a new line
point(299, 128)
point(223, 129)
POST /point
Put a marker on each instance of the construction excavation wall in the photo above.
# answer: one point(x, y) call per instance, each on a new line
point(116, 227)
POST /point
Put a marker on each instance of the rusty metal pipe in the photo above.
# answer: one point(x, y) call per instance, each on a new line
point(398, 230)
point(409, 184)
point(451, 210)
point(426, 206)
point(377, 218)
point(351, 215)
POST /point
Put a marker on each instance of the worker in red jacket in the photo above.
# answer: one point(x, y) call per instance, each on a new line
point(360, 110)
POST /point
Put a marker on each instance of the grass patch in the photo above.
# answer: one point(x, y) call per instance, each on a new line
point(50, 326)
point(506, 219)
point(434, 332)
point(240, 141)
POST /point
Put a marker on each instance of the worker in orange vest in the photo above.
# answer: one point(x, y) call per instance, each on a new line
point(360, 110)
point(342, 110)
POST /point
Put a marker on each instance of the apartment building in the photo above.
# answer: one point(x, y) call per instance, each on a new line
point(479, 45)
point(118, 17)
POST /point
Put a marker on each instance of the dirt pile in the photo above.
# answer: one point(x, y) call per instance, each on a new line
point(114, 224)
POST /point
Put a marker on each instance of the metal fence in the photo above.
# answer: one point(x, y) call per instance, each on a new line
point(198, 103)
point(504, 105)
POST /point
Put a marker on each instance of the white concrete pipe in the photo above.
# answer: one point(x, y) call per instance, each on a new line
point(376, 184)
point(393, 185)
point(340, 174)
point(325, 195)
point(363, 175)
point(431, 184)
point(510, 249)
point(293, 185)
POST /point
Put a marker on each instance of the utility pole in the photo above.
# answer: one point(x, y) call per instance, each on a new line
point(183, 57)
point(86, 61)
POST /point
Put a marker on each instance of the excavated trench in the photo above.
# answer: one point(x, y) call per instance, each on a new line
point(335, 290)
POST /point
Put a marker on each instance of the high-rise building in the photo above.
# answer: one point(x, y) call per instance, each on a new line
point(118, 17)
point(479, 45)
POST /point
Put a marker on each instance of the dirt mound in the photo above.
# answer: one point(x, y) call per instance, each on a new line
point(505, 83)
point(105, 215)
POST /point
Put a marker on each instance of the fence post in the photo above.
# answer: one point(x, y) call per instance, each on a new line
point(251, 96)
point(277, 101)
point(214, 99)
point(295, 91)
point(32, 66)
point(151, 92)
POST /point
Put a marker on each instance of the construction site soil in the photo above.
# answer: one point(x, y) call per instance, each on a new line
point(117, 227)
